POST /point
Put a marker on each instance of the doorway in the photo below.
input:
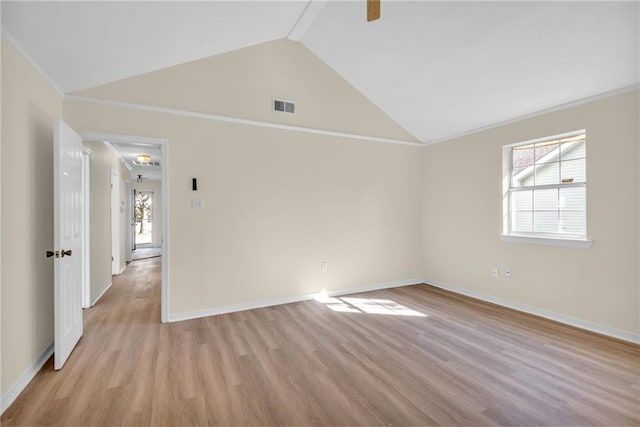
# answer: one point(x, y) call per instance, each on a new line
point(86, 213)
point(143, 214)
point(147, 163)
point(115, 222)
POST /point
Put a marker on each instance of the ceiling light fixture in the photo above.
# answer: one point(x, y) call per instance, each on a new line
point(144, 158)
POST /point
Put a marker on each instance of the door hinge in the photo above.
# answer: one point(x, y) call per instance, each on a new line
point(111, 259)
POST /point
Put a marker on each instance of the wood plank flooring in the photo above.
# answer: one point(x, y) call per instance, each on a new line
point(415, 355)
point(143, 253)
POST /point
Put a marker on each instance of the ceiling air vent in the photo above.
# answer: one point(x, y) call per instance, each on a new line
point(284, 106)
point(151, 163)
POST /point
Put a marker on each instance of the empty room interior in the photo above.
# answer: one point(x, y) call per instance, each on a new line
point(295, 213)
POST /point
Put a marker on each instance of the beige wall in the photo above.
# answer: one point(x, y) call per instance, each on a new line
point(242, 83)
point(276, 204)
point(156, 187)
point(30, 106)
point(103, 161)
point(463, 218)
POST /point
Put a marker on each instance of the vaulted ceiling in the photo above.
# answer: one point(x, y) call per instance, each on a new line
point(438, 69)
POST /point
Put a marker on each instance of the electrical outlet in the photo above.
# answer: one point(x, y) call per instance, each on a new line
point(507, 272)
point(495, 271)
point(324, 266)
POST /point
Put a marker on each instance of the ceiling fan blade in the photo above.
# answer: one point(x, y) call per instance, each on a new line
point(373, 10)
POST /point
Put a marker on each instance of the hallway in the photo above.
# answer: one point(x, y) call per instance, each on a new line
point(144, 253)
point(121, 336)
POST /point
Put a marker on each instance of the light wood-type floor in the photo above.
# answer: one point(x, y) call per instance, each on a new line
point(409, 356)
point(143, 253)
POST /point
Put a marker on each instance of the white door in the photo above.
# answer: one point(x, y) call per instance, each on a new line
point(68, 233)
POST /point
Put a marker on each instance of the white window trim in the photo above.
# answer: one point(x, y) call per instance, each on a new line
point(535, 238)
point(547, 241)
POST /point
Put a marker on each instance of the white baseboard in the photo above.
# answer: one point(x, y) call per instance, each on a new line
point(175, 317)
point(558, 317)
point(26, 377)
point(106, 288)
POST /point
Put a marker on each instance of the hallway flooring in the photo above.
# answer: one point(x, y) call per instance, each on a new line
point(143, 253)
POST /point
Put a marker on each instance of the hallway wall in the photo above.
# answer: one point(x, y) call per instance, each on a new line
point(103, 160)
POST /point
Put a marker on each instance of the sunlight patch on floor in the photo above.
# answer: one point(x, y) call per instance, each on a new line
point(385, 307)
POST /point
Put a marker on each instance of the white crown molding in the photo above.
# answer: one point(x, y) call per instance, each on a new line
point(14, 391)
point(249, 122)
point(236, 120)
point(306, 19)
point(13, 42)
point(117, 154)
point(560, 107)
point(547, 314)
point(175, 317)
point(123, 139)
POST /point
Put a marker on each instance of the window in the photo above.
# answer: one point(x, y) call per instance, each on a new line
point(547, 185)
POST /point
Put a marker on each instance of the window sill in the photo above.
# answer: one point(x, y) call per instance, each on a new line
point(547, 241)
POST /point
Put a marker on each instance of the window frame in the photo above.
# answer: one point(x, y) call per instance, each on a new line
point(538, 237)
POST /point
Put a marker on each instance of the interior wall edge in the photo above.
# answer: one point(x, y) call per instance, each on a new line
point(13, 42)
point(540, 312)
point(106, 288)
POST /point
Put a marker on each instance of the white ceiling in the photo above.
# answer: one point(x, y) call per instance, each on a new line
point(129, 152)
point(85, 44)
point(444, 68)
point(438, 69)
